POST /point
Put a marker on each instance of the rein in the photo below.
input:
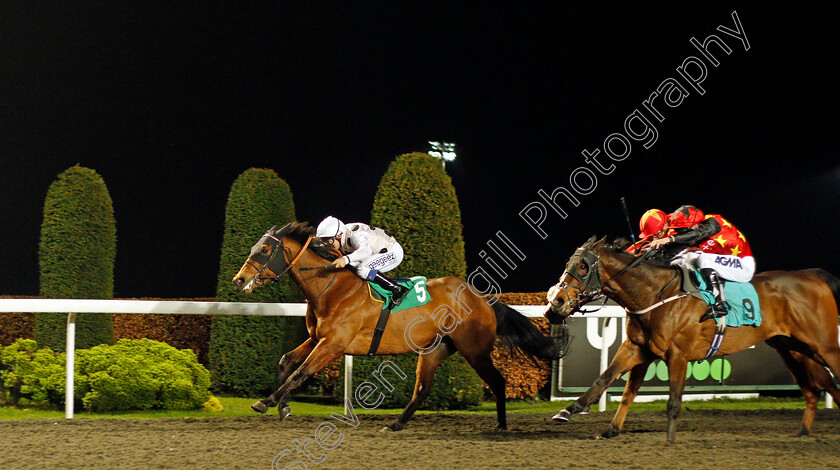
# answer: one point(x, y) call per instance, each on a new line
point(594, 288)
point(657, 304)
point(291, 265)
point(300, 253)
point(259, 276)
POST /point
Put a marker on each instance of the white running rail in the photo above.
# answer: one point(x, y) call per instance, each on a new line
point(182, 308)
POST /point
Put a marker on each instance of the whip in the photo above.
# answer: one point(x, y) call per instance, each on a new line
point(627, 218)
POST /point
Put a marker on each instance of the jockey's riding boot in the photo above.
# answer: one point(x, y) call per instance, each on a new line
point(397, 291)
point(719, 308)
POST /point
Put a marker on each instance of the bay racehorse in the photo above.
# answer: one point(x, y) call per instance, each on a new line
point(341, 317)
point(799, 318)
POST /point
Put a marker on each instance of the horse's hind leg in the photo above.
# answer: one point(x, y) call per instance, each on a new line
point(805, 376)
point(289, 361)
point(483, 365)
point(426, 365)
point(637, 376)
point(823, 379)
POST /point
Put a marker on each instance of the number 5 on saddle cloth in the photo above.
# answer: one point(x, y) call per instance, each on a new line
point(416, 296)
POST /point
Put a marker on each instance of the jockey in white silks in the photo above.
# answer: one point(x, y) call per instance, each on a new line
point(370, 251)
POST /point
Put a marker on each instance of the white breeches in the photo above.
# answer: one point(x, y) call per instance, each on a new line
point(380, 262)
point(731, 268)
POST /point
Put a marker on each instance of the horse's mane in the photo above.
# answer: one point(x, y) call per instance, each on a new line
point(298, 231)
point(301, 231)
point(620, 245)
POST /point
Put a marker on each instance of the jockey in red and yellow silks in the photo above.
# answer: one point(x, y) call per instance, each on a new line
point(713, 245)
point(653, 225)
point(729, 241)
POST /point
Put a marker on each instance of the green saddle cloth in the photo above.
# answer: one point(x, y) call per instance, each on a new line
point(741, 301)
point(416, 296)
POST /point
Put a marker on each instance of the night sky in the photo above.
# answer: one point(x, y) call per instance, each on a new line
point(171, 103)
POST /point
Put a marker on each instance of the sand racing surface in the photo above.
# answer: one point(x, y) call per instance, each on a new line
point(705, 439)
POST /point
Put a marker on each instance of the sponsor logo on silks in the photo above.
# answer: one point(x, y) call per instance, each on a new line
point(728, 262)
point(378, 263)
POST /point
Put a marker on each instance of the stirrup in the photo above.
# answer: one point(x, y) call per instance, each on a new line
point(398, 295)
point(397, 291)
point(714, 312)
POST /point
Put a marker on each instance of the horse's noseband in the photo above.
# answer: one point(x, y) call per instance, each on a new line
point(590, 285)
point(270, 261)
point(278, 264)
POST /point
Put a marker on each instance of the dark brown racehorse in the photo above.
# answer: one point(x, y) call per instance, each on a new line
point(341, 317)
point(799, 318)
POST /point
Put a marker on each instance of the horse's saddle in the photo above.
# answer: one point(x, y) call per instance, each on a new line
point(416, 296)
point(741, 297)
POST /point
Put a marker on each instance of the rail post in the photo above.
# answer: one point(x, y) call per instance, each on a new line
point(70, 364)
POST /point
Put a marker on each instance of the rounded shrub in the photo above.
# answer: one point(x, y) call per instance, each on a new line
point(416, 203)
point(244, 350)
point(140, 374)
point(129, 375)
point(213, 405)
point(30, 376)
point(76, 256)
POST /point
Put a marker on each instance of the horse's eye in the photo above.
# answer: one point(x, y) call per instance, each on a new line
point(582, 266)
point(264, 250)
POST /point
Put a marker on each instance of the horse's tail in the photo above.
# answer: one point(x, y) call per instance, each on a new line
point(524, 339)
point(833, 284)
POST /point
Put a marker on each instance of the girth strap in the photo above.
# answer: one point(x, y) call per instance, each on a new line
point(717, 339)
point(379, 330)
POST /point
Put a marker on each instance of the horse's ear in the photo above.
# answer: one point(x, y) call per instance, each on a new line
point(273, 229)
point(599, 243)
point(589, 242)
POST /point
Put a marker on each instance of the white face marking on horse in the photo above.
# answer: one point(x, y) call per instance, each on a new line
point(552, 294)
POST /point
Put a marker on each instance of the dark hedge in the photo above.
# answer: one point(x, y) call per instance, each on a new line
point(244, 350)
point(416, 203)
point(76, 256)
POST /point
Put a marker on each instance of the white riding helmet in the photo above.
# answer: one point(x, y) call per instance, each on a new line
point(329, 227)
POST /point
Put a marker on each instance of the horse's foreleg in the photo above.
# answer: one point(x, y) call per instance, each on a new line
point(628, 356)
point(426, 366)
point(288, 362)
point(637, 376)
point(322, 354)
point(677, 367)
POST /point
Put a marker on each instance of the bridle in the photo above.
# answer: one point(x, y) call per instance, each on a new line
point(591, 286)
point(278, 264)
point(271, 260)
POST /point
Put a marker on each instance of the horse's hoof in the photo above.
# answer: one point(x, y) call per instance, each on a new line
point(386, 429)
point(259, 407)
point(562, 416)
point(394, 427)
point(608, 434)
point(284, 412)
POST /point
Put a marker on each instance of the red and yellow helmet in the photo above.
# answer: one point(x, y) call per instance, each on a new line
point(686, 216)
point(652, 222)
